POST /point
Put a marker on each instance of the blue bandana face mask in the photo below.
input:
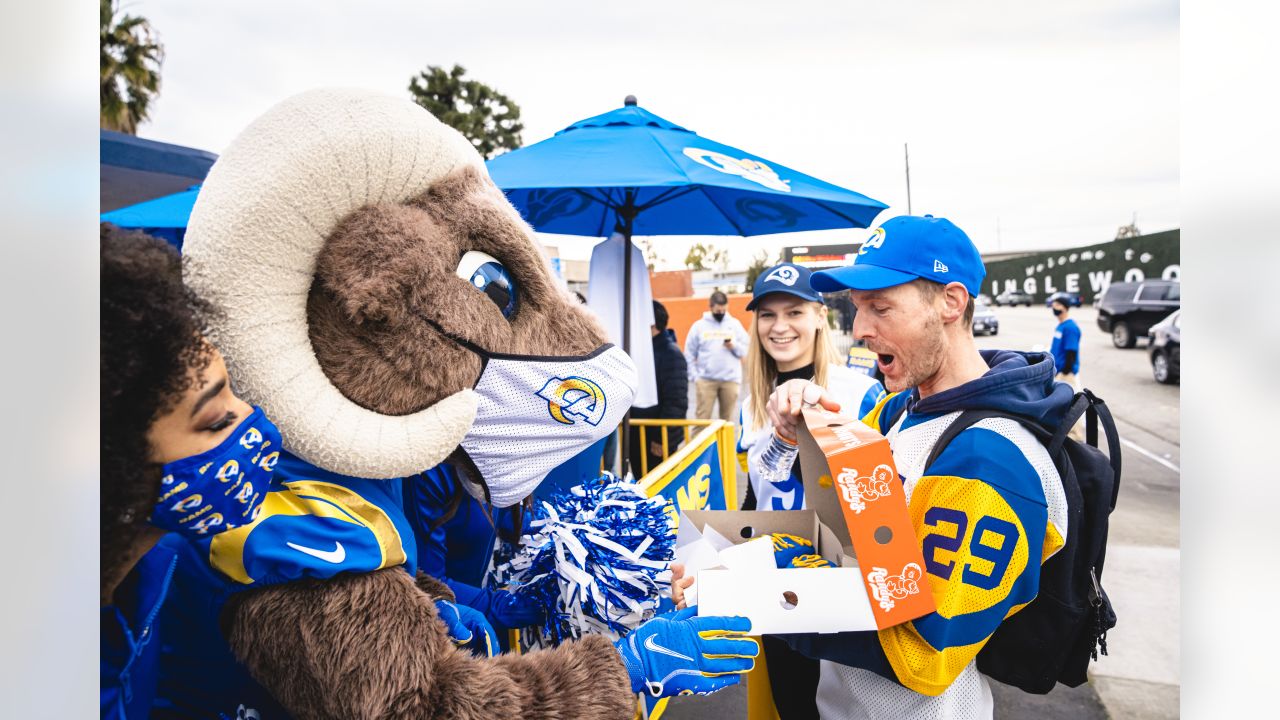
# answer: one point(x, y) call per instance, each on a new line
point(222, 488)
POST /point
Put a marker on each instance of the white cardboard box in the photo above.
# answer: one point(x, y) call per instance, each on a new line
point(777, 601)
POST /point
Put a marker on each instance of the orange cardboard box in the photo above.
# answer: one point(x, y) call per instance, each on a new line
point(851, 481)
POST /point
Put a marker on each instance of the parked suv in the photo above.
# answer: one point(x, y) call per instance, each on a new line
point(1013, 297)
point(1127, 310)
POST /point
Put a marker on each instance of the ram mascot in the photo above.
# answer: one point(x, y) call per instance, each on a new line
point(387, 307)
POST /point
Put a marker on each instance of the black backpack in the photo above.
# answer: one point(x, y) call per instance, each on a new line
point(1053, 639)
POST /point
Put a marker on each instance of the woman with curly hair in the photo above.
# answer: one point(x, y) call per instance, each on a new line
point(168, 415)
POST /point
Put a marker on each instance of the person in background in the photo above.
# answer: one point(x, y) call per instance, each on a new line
point(673, 396)
point(1066, 344)
point(791, 340)
point(714, 351)
point(1066, 354)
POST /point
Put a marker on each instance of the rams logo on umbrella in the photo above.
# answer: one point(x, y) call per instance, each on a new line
point(573, 397)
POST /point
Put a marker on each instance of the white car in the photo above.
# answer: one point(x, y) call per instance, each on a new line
point(985, 321)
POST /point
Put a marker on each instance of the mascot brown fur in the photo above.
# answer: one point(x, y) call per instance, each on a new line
point(327, 239)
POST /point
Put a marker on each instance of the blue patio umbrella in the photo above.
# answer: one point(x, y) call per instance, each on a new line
point(633, 172)
point(638, 173)
point(164, 217)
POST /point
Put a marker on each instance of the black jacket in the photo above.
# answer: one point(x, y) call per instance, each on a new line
point(671, 372)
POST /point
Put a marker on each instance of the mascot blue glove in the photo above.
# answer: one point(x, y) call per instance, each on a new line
point(514, 610)
point(679, 654)
point(468, 628)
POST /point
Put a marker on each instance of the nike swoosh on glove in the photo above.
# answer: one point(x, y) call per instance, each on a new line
point(468, 628)
point(788, 547)
point(680, 654)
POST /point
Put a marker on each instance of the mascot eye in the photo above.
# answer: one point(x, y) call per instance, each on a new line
point(489, 277)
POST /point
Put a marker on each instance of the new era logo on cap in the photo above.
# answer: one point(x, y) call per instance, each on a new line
point(905, 248)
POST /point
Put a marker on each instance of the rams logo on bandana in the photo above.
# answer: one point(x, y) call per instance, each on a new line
point(573, 397)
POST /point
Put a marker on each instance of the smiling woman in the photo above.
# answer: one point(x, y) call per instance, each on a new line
point(790, 341)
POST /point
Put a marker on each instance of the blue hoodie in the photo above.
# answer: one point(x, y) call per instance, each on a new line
point(1018, 383)
point(987, 513)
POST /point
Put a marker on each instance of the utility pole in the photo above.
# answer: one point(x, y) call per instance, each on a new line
point(906, 157)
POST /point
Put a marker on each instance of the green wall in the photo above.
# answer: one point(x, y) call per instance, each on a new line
point(1087, 270)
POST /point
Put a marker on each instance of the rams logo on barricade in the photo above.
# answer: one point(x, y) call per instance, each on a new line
point(786, 275)
point(573, 397)
point(886, 588)
point(875, 241)
point(746, 168)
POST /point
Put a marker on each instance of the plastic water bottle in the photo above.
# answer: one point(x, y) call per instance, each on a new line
point(777, 459)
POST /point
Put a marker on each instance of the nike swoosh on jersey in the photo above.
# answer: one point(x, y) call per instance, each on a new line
point(651, 644)
point(335, 556)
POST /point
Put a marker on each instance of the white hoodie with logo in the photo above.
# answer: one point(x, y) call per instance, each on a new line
point(706, 353)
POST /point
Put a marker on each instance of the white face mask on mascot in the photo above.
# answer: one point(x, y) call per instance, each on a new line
point(535, 413)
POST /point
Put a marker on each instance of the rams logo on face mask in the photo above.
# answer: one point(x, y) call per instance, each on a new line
point(573, 397)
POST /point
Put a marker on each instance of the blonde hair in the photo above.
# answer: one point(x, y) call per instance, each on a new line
point(762, 370)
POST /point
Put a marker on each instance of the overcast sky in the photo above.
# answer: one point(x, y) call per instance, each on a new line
point(1032, 125)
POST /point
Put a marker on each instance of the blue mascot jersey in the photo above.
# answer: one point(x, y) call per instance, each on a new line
point(313, 524)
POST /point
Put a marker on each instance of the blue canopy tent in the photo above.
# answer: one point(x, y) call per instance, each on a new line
point(633, 172)
point(134, 169)
point(164, 217)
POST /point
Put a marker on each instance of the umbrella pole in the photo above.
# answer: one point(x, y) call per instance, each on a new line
point(627, 214)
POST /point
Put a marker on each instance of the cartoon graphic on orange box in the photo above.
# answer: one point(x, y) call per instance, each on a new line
point(869, 494)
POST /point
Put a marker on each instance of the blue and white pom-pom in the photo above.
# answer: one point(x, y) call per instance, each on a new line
point(598, 557)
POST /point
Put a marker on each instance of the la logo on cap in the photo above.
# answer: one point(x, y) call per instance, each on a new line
point(875, 241)
point(938, 266)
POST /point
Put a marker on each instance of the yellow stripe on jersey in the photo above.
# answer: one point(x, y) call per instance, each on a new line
point(918, 665)
point(1053, 542)
point(308, 497)
point(872, 418)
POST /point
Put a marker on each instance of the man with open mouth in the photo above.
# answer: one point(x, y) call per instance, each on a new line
point(987, 511)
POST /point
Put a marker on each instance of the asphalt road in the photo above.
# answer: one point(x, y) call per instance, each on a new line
point(1140, 678)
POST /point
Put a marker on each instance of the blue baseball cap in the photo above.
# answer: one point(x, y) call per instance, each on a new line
point(786, 278)
point(905, 248)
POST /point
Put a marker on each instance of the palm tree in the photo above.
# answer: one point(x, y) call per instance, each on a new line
point(130, 68)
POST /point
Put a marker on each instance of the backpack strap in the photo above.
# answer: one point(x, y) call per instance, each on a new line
point(1084, 403)
point(1099, 413)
